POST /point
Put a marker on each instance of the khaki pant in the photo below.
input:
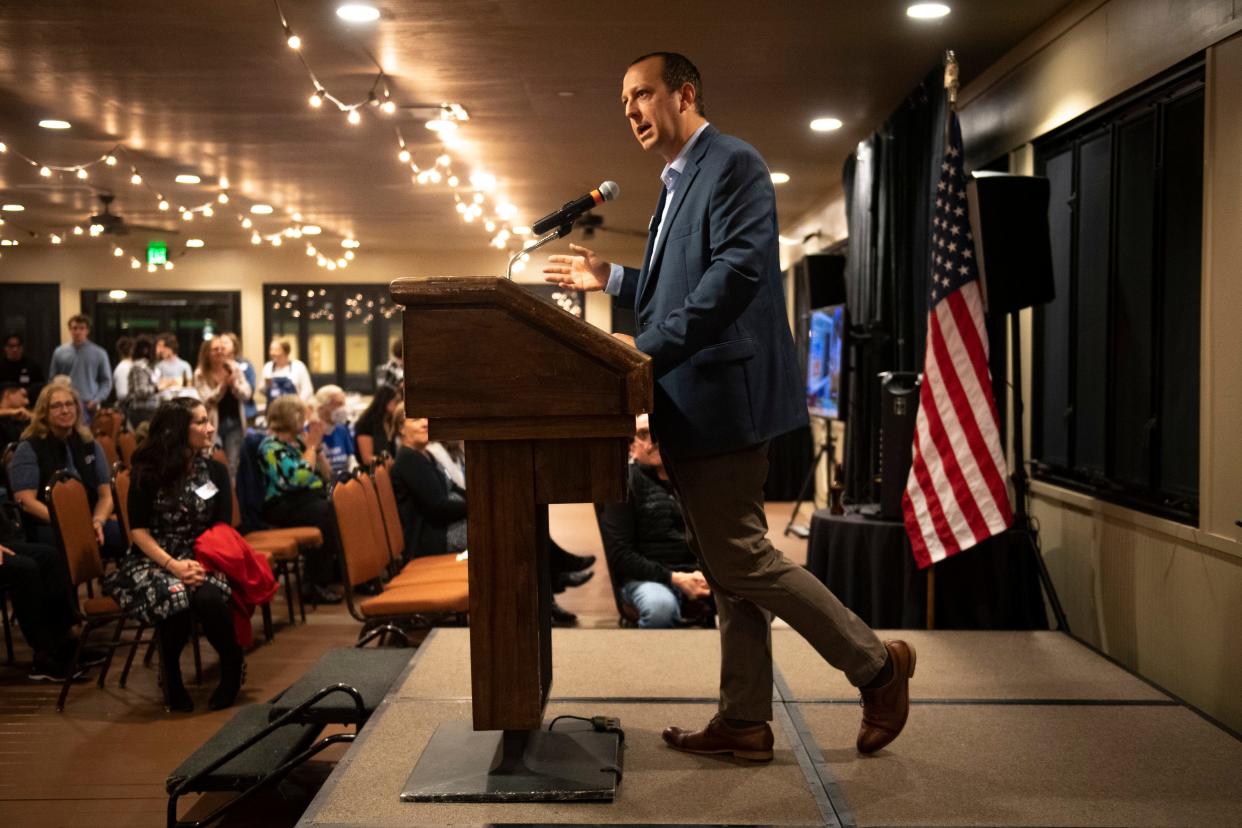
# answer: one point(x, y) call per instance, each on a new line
point(721, 499)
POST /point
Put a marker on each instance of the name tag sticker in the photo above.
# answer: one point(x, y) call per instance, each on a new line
point(206, 491)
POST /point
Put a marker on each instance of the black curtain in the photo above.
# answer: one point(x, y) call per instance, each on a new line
point(889, 185)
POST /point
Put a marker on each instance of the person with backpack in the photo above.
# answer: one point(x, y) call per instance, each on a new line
point(143, 392)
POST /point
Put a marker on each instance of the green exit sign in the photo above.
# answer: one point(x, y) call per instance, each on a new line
point(157, 253)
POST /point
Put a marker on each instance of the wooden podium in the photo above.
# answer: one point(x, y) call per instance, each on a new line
point(545, 404)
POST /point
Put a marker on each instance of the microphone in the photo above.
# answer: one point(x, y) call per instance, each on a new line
point(573, 209)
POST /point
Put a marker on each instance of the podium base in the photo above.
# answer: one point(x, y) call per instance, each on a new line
point(460, 764)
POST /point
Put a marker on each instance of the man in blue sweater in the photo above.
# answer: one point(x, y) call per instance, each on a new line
point(85, 363)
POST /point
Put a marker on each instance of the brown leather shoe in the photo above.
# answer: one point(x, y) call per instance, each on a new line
point(753, 743)
point(885, 709)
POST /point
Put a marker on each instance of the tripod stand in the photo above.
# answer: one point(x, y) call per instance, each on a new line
point(828, 448)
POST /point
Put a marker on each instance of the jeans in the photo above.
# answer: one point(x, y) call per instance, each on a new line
point(230, 436)
point(658, 605)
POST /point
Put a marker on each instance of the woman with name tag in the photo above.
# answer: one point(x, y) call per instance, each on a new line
point(177, 494)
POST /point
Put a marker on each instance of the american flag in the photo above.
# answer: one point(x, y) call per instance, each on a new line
point(955, 496)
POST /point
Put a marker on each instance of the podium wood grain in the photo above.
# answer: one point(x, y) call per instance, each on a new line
point(546, 405)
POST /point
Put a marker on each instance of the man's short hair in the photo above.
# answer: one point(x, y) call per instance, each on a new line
point(678, 70)
point(169, 341)
point(80, 319)
point(125, 346)
point(13, 336)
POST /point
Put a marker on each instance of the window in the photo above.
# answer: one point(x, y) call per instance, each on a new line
point(1116, 355)
point(342, 332)
point(193, 316)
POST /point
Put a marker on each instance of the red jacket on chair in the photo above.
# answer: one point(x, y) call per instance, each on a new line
point(221, 549)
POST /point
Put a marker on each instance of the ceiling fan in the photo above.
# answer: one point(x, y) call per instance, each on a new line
point(590, 222)
point(116, 225)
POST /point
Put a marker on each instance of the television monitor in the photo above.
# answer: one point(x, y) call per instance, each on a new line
point(825, 365)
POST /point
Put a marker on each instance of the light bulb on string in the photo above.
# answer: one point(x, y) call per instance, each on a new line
point(55, 239)
point(255, 238)
point(77, 231)
point(116, 251)
point(353, 117)
point(187, 216)
point(223, 198)
point(150, 268)
point(388, 107)
point(110, 160)
point(316, 100)
point(276, 240)
point(168, 265)
point(135, 179)
point(224, 182)
point(349, 255)
point(45, 172)
point(163, 204)
point(247, 223)
point(453, 181)
point(293, 40)
point(135, 264)
point(403, 156)
point(208, 212)
point(82, 173)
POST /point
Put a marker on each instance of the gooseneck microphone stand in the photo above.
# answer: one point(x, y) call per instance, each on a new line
point(559, 233)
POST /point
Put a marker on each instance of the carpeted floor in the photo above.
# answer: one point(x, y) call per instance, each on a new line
point(1013, 729)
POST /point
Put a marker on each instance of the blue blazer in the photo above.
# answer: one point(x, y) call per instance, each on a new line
point(710, 308)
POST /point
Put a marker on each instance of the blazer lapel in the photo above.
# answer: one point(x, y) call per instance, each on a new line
point(684, 182)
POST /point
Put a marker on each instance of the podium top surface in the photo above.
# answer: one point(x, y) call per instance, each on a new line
point(488, 349)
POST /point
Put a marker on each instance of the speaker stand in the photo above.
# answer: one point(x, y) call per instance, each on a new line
point(1021, 520)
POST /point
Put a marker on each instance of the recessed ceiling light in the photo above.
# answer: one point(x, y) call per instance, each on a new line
point(357, 13)
point(53, 123)
point(12, 208)
point(826, 124)
point(193, 242)
point(187, 178)
point(311, 230)
point(780, 178)
point(927, 11)
point(261, 209)
point(117, 294)
point(349, 243)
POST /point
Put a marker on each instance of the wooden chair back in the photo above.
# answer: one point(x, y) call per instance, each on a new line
point(71, 518)
point(121, 476)
point(108, 444)
point(107, 422)
point(125, 445)
point(357, 534)
point(389, 510)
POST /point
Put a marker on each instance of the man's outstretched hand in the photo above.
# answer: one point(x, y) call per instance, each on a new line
point(584, 271)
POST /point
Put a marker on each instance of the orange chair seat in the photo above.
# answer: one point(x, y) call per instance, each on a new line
point(306, 536)
point(275, 548)
point(100, 605)
point(431, 574)
point(448, 596)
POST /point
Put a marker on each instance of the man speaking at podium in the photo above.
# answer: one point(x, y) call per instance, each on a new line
point(710, 313)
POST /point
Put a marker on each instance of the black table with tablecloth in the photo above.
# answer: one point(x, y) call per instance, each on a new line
point(868, 564)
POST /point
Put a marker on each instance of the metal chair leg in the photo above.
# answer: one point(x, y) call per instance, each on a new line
point(198, 656)
point(8, 626)
point(284, 573)
point(300, 572)
point(268, 632)
point(116, 637)
point(133, 650)
point(73, 667)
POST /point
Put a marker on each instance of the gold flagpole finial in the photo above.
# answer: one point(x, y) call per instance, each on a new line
point(950, 76)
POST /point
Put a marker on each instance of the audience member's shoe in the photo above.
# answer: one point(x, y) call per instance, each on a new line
point(753, 742)
point(232, 674)
point(177, 700)
point(562, 617)
point(886, 708)
point(93, 656)
point(52, 669)
point(564, 561)
point(563, 580)
point(371, 587)
point(319, 594)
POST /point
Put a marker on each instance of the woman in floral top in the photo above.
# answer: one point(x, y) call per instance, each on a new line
point(177, 494)
point(295, 474)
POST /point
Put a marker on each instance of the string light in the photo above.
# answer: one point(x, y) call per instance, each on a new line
point(353, 117)
point(316, 100)
point(82, 173)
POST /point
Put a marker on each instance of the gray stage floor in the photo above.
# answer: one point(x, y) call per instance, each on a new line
point(1013, 729)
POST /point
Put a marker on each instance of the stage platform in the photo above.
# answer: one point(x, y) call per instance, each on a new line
point(1007, 729)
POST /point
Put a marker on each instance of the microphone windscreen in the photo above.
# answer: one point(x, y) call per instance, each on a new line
point(609, 190)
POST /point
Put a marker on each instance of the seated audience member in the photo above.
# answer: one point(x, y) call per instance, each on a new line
point(173, 372)
point(392, 372)
point(645, 542)
point(142, 392)
point(19, 368)
point(120, 374)
point(232, 351)
point(373, 431)
point(177, 493)
point(223, 389)
point(338, 440)
point(14, 413)
point(284, 375)
point(296, 492)
point(35, 577)
point(432, 506)
point(54, 440)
